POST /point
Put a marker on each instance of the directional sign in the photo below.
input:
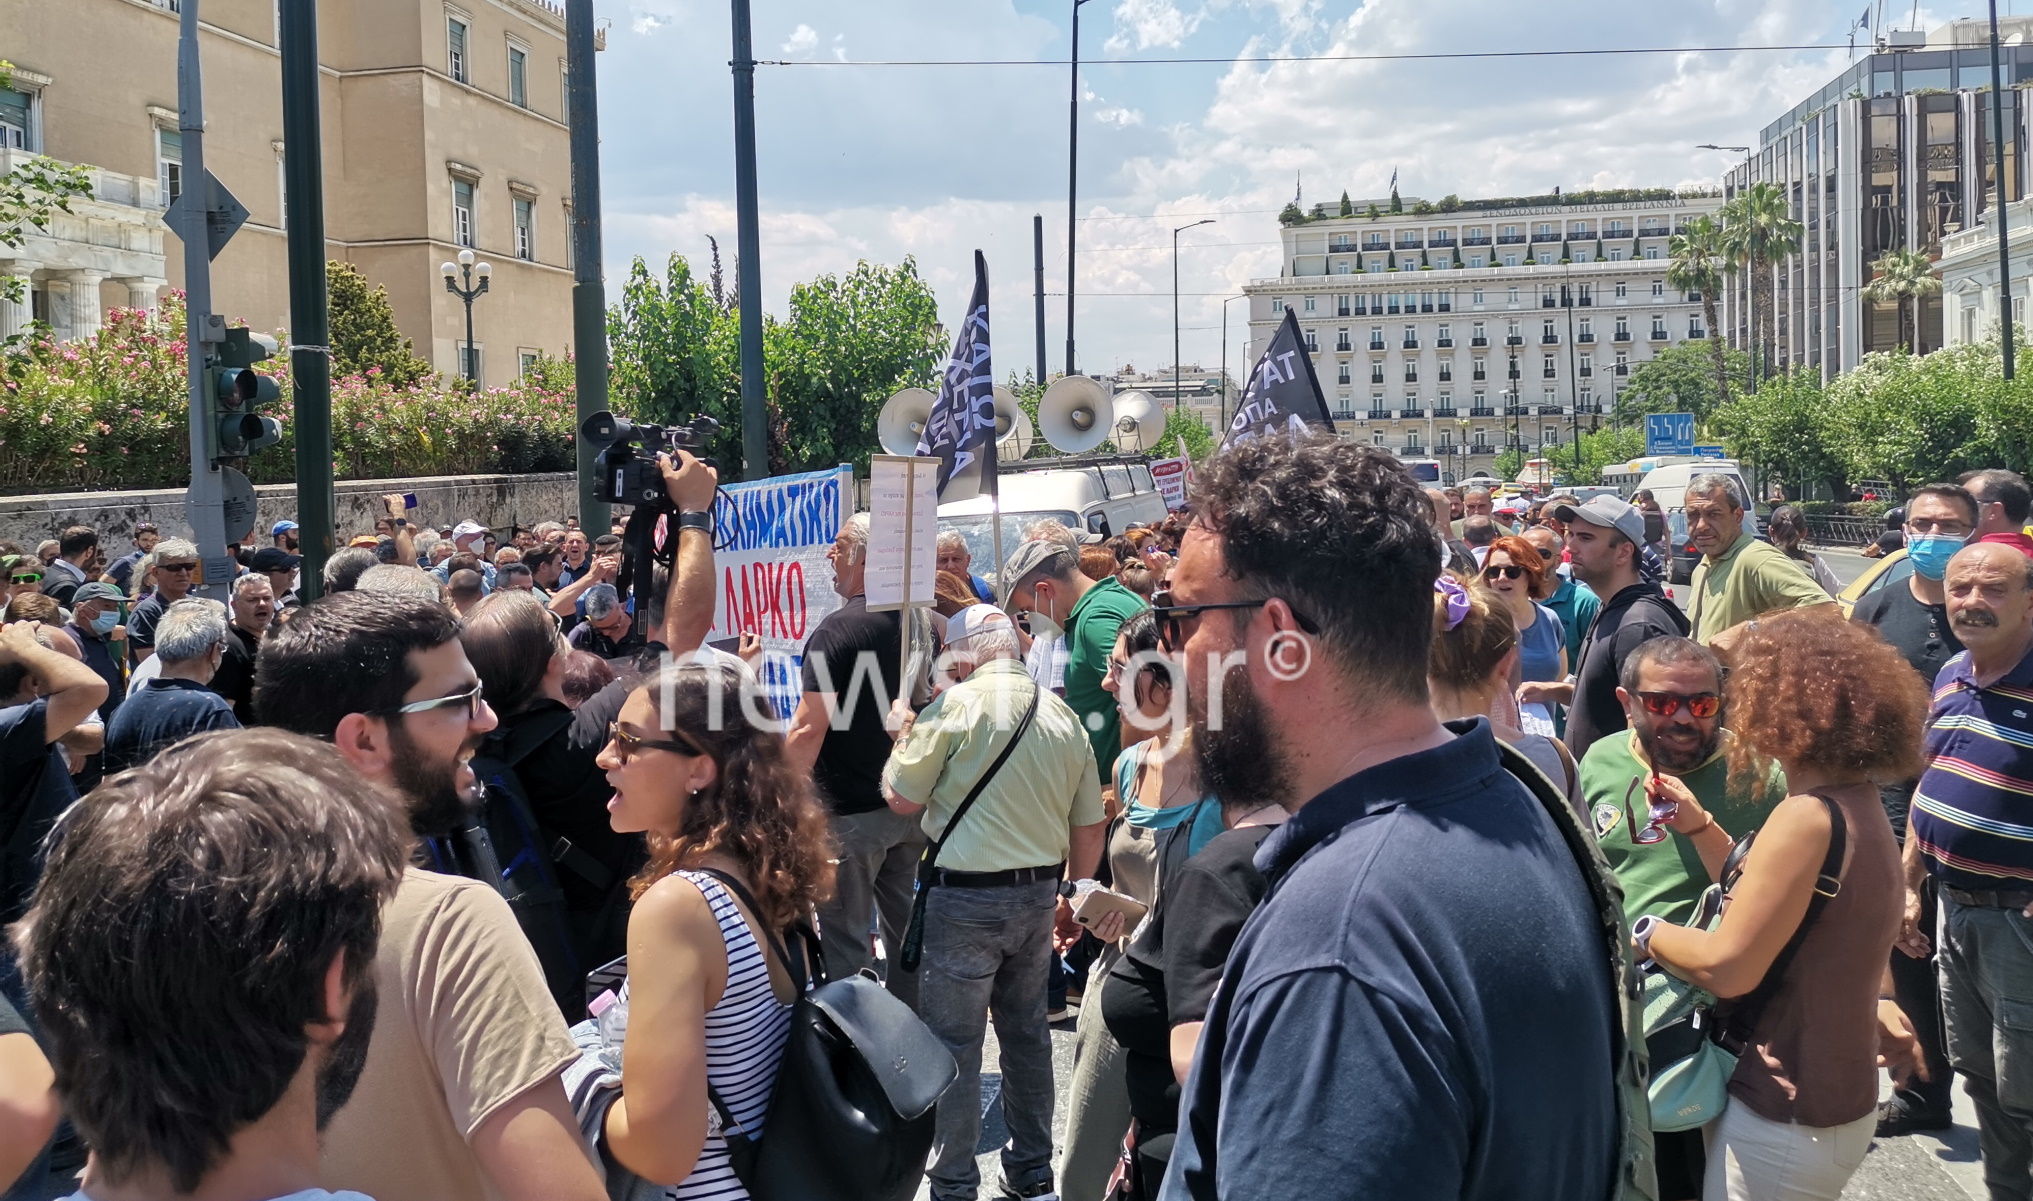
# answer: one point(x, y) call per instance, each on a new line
point(1711, 452)
point(1669, 434)
point(224, 215)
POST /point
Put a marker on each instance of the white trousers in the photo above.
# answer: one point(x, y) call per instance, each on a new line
point(1755, 1159)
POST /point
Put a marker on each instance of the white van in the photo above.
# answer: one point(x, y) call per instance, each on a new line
point(1097, 495)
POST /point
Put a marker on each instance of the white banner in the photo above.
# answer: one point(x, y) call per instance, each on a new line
point(903, 531)
point(775, 580)
point(1172, 475)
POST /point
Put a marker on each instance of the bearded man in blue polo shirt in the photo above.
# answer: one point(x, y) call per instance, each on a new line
point(1425, 1004)
point(1971, 828)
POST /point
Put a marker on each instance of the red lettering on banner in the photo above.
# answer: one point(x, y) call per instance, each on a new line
point(794, 580)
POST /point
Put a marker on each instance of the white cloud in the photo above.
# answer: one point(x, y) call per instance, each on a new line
point(803, 40)
point(1119, 116)
point(1141, 24)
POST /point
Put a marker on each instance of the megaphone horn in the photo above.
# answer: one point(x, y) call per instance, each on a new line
point(1013, 433)
point(1074, 414)
point(1137, 425)
point(903, 420)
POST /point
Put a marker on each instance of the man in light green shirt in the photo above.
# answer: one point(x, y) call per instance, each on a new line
point(990, 896)
point(1738, 577)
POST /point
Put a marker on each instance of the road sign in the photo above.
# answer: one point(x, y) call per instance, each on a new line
point(1669, 434)
point(1711, 452)
point(224, 215)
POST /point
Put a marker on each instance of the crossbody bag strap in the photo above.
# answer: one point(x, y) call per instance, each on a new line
point(794, 968)
point(1735, 1034)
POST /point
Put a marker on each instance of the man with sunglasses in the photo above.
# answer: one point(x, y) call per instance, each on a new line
point(461, 1098)
point(176, 570)
point(2004, 504)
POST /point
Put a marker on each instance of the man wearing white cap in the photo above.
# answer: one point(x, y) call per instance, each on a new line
point(469, 538)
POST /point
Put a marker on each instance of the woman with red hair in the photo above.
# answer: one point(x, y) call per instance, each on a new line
point(1516, 572)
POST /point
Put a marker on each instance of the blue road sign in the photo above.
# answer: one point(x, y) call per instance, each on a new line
point(1669, 434)
point(1711, 452)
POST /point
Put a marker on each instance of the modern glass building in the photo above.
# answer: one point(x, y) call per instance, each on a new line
point(1893, 154)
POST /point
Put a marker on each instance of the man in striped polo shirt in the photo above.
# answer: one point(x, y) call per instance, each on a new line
point(1971, 827)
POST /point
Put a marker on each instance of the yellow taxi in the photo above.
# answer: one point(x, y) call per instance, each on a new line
point(1893, 568)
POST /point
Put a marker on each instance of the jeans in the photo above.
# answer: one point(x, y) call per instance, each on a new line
point(876, 874)
point(1916, 984)
point(985, 952)
point(1986, 958)
point(1756, 1159)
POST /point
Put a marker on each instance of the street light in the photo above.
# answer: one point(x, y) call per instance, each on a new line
point(1175, 307)
point(1224, 361)
point(1751, 284)
point(469, 293)
point(1072, 182)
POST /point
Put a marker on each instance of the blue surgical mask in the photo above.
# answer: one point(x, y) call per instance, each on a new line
point(1931, 552)
point(104, 622)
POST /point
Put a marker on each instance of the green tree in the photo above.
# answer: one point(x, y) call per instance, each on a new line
point(1508, 464)
point(1183, 427)
point(1611, 446)
point(1290, 215)
point(1397, 205)
point(1697, 264)
point(1758, 229)
point(1682, 379)
point(1347, 206)
point(1783, 427)
point(364, 337)
point(1902, 276)
point(675, 352)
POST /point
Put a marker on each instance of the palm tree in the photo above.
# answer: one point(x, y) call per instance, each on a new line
point(1757, 229)
point(1903, 275)
point(1698, 265)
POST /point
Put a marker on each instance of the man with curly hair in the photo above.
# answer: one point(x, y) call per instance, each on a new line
point(1430, 969)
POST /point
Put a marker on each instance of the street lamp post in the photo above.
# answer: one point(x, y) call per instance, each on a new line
point(468, 292)
point(1224, 361)
point(1751, 283)
point(1072, 182)
point(1175, 307)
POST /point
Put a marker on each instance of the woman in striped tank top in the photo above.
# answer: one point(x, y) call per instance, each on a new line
point(708, 1001)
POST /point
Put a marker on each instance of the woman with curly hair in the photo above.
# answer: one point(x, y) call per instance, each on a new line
point(1839, 710)
point(709, 990)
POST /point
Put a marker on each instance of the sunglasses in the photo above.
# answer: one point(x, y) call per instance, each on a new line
point(1172, 618)
point(628, 743)
point(1658, 814)
point(1665, 704)
point(176, 566)
point(27, 579)
point(1509, 571)
point(470, 699)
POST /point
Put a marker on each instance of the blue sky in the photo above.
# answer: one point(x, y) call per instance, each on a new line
point(881, 162)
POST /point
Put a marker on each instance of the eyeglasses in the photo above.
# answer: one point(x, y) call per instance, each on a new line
point(1172, 618)
point(176, 566)
point(628, 743)
point(1658, 814)
point(1927, 525)
point(1546, 553)
point(1665, 704)
point(470, 699)
point(28, 579)
point(1509, 571)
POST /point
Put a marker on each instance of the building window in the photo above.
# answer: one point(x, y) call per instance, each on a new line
point(1548, 371)
point(1312, 342)
point(1343, 378)
point(1658, 289)
point(1651, 252)
point(1511, 297)
point(462, 212)
point(1277, 305)
point(567, 227)
point(1376, 371)
point(1341, 266)
point(564, 94)
point(1511, 260)
point(528, 362)
point(169, 164)
point(1309, 304)
point(1475, 260)
point(469, 361)
point(525, 228)
point(1616, 256)
point(518, 77)
point(455, 60)
point(1446, 370)
point(1623, 290)
point(17, 128)
point(281, 193)
point(1475, 297)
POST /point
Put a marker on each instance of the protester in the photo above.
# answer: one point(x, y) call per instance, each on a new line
point(1967, 833)
point(1738, 577)
point(1787, 528)
point(77, 549)
point(514, 577)
point(29, 1109)
point(1836, 709)
point(951, 593)
point(577, 552)
point(101, 639)
point(609, 630)
point(1158, 783)
point(1137, 578)
point(585, 675)
point(1514, 570)
point(191, 642)
point(461, 1097)
point(1913, 618)
point(206, 1001)
point(988, 911)
point(1572, 600)
point(175, 570)
point(737, 853)
point(283, 536)
point(956, 558)
point(463, 590)
point(1469, 673)
point(280, 567)
point(393, 579)
point(468, 538)
point(1477, 532)
point(120, 573)
point(1045, 651)
point(2004, 505)
point(44, 695)
point(252, 602)
point(543, 563)
point(1476, 502)
point(1314, 561)
point(344, 569)
point(1046, 583)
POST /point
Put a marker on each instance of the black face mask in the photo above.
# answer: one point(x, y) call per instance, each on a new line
point(1239, 763)
point(348, 1058)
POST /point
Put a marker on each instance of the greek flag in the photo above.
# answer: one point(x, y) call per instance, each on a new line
point(961, 430)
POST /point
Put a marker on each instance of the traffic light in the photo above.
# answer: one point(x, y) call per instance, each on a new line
point(236, 391)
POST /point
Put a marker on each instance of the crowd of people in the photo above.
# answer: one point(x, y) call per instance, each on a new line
point(1354, 818)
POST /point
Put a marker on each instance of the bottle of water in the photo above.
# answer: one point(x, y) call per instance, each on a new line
point(610, 1015)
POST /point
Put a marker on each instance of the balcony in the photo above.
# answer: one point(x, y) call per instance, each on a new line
point(1586, 370)
point(1658, 333)
point(1517, 410)
point(1549, 339)
point(1376, 243)
point(1552, 237)
point(1376, 378)
point(1478, 340)
point(1437, 241)
point(1446, 306)
point(1510, 239)
point(1480, 448)
point(1445, 411)
point(1551, 410)
point(1623, 369)
point(1376, 344)
point(1482, 411)
point(1340, 246)
point(1622, 335)
point(1444, 343)
point(1585, 337)
point(1413, 450)
point(1411, 412)
point(1587, 407)
point(1345, 415)
point(1411, 344)
point(1549, 373)
point(1344, 345)
point(1586, 300)
point(1653, 231)
point(1476, 240)
point(1410, 243)
point(1379, 414)
point(1312, 347)
point(1696, 335)
point(1343, 311)
point(1514, 340)
point(1477, 376)
point(1549, 302)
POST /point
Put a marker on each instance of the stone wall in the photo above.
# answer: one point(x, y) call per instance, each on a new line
point(496, 501)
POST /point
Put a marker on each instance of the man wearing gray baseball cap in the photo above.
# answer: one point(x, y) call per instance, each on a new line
point(1605, 538)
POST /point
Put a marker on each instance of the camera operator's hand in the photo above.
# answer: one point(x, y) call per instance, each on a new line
point(688, 482)
point(393, 501)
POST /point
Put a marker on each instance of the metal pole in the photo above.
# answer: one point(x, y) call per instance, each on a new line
point(1038, 274)
point(1573, 375)
point(1223, 385)
point(2004, 250)
point(1175, 320)
point(204, 504)
point(310, 364)
point(754, 414)
point(1072, 181)
point(466, 294)
point(589, 287)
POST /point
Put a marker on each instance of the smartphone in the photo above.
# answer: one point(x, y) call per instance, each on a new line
point(409, 500)
point(1097, 904)
point(730, 645)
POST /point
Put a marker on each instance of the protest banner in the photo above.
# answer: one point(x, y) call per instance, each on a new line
point(775, 580)
point(903, 531)
point(1172, 476)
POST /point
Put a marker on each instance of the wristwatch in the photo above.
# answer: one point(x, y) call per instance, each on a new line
point(1641, 935)
point(696, 519)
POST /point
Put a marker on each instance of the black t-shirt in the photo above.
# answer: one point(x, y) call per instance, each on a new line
point(141, 621)
point(10, 1018)
point(851, 759)
point(35, 786)
point(160, 713)
point(1635, 615)
point(1920, 632)
point(235, 678)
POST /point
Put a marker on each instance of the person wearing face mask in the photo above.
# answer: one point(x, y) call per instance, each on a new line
point(1913, 618)
point(95, 627)
point(1047, 583)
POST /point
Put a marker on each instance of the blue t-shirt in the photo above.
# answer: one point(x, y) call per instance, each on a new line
point(1540, 644)
point(35, 787)
point(981, 588)
point(1422, 1007)
point(160, 712)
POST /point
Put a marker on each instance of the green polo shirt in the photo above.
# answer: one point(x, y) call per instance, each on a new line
point(1090, 638)
point(1752, 577)
point(1048, 785)
point(1663, 878)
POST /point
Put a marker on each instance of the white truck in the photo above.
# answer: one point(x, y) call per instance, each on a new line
point(1097, 495)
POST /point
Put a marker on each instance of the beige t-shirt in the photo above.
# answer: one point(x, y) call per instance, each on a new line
point(465, 1025)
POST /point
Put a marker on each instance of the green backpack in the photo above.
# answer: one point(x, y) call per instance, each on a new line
point(1690, 1070)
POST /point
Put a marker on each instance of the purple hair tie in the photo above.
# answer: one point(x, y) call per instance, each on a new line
point(1457, 600)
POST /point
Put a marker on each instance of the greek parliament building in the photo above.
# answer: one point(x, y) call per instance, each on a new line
point(1893, 154)
point(1454, 329)
point(444, 127)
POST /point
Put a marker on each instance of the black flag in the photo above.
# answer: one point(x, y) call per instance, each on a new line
point(1283, 392)
point(961, 430)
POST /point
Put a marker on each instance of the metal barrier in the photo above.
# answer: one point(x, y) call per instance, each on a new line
point(1842, 530)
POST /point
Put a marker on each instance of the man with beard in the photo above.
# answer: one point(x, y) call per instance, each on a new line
point(461, 1099)
point(207, 1002)
point(252, 601)
point(1427, 1003)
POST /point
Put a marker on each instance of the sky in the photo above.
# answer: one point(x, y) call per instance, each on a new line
point(934, 162)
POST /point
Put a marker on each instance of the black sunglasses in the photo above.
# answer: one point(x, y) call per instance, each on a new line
point(1172, 618)
point(1509, 571)
point(629, 743)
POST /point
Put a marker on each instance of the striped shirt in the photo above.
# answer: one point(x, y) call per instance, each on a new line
point(1973, 809)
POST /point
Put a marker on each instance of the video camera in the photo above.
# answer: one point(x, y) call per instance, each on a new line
point(629, 474)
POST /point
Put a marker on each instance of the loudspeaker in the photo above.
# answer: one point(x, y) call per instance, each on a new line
point(1139, 423)
point(903, 421)
point(1074, 416)
point(1013, 432)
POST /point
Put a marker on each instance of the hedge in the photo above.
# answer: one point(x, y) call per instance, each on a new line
point(112, 412)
